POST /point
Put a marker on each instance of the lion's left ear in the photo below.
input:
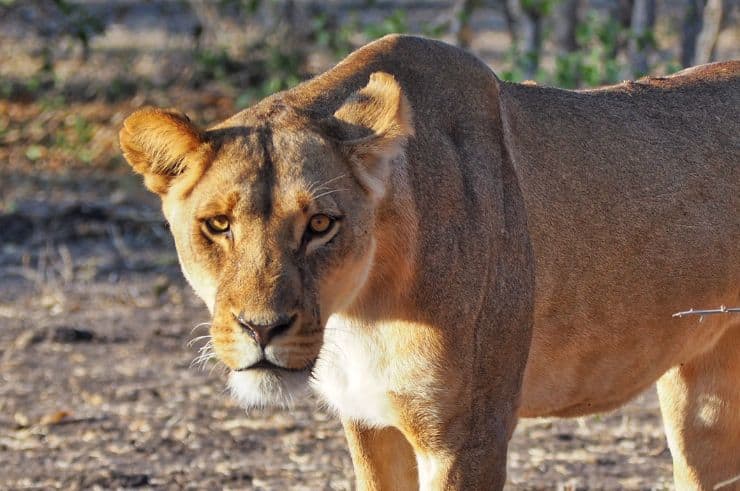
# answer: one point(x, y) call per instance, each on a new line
point(373, 125)
point(161, 145)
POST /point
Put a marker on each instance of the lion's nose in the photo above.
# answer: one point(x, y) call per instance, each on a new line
point(264, 333)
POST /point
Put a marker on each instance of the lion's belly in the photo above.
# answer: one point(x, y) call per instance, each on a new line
point(598, 368)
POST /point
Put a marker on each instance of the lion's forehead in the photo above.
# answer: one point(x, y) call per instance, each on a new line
point(277, 156)
point(270, 171)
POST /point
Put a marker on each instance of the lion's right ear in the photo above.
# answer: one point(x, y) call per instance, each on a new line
point(373, 125)
point(161, 145)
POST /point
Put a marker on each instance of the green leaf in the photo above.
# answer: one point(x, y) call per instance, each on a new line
point(34, 152)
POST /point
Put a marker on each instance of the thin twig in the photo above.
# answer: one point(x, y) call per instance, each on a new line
point(721, 310)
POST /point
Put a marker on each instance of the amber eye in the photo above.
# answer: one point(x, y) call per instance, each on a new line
point(218, 224)
point(320, 223)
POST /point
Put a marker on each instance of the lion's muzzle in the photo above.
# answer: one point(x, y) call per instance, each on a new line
point(263, 333)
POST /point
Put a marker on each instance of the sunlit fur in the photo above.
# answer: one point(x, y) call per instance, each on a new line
point(501, 251)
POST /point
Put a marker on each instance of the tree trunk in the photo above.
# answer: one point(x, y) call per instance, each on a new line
point(206, 33)
point(621, 11)
point(510, 20)
point(462, 11)
point(565, 19)
point(642, 40)
point(528, 28)
point(707, 38)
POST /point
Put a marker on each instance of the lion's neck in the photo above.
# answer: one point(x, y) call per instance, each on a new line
point(395, 262)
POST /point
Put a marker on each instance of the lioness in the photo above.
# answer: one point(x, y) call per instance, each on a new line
point(439, 253)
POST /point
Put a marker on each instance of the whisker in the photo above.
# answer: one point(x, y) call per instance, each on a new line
point(213, 367)
point(208, 344)
point(202, 364)
point(336, 178)
point(196, 339)
point(331, 191)
point(205, 356)
point(202, 324)
point(208, 348)
point(313, 187)
point(199, 363)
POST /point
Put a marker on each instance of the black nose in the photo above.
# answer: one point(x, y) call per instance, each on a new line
point(264, 333)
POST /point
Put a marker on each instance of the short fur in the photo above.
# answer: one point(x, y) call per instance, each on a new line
point(500, 251)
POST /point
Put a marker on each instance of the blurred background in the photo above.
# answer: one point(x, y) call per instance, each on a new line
point(98, 330)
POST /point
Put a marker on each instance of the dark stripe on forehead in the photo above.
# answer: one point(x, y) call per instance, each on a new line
point(265, 180)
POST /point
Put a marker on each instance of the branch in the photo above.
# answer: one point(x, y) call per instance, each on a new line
point(721, 310)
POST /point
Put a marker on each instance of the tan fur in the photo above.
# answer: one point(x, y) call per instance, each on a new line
point(161, 144)
point(501, 251)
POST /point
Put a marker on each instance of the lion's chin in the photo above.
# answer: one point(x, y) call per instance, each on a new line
point(268, 388)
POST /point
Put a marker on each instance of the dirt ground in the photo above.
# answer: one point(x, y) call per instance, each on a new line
point(98, 329)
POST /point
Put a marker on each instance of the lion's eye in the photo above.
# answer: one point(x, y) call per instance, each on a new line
point(320, 223)
point(218, 224)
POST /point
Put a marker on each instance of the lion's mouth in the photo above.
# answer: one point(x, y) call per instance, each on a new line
point(265, 364)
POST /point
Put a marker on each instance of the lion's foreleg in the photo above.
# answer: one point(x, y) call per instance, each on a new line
point(382, 458)
point(460, 435)
point(471, 456)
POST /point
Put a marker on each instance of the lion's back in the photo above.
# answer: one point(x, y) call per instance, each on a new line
point(632, 190)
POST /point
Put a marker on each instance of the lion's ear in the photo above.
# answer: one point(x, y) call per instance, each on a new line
point(161, 145)
point(373, 125)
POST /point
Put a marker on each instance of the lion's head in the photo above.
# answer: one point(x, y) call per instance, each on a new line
point(273, 214)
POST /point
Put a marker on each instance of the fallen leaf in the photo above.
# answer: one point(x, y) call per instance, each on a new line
point(54, 418)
